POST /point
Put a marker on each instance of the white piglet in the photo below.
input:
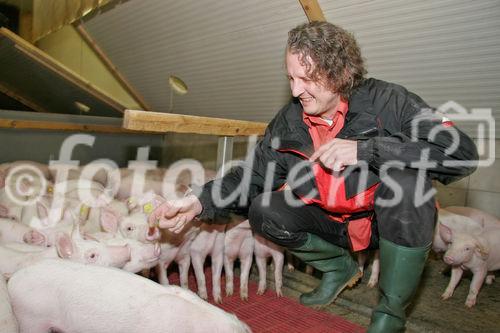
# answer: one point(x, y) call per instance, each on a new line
point(120, 302)
point(375, 271)
point(19, 233)
point(478, 252)
point(142, 255)
point(14, 256)
point(8, 322)
point(208, 242)
point(264, 249)
point(176, 248)
point(238, 244)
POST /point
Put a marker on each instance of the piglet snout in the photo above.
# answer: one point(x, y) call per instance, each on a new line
point(449, 260)
point(34, 237)
point(153, 234)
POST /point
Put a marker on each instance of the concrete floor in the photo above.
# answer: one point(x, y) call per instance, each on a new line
point(428, 313)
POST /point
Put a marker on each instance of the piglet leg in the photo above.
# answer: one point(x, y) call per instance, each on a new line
point(278, 259)
point(475, 285)
point(456, 275)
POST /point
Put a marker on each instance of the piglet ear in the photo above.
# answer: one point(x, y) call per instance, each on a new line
point(482, 249)
point(64, 245)
point(181, 189)
point(132, 204)
point(76, 234)
point(445, 233)
point(4, 211)
point(68, 215)
point(88, 236)
point(109, 221)
point(42, 210)
point(34, 237)
point(25, 186)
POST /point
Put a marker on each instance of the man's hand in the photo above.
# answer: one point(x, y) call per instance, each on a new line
point(337, 154)
point(173, 215)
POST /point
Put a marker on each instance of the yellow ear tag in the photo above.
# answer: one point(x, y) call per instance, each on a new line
point(148, 208)
point(50, 189)
point(84, 212)
point(131, 201)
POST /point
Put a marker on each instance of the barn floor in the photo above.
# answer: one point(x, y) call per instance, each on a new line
point(428, 313)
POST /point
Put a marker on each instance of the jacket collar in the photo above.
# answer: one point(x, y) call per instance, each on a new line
point(294, 132)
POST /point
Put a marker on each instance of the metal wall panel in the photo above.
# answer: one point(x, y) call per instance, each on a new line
point(447, 50)
point(230, 52)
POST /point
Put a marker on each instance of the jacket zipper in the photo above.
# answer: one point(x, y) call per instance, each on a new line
point(286, 150)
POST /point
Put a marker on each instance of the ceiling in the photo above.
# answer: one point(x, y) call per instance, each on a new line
point(230, 52)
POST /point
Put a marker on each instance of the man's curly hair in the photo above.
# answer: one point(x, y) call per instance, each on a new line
point(336, 57)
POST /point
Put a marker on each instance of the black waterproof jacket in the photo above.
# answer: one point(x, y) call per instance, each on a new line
point(391, 124)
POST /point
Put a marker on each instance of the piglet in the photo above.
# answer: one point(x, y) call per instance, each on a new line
point(238, 244)
point(208, 242)
point(362, 258)
point(10, 207)
point(455, 222)
point(478, 251)
point(482, 218)
point(16, 232)
point(119, 302)
point(14, 256)
point(177, 248)
point(135, 224)
point(264, 249)
point(133, 184)
point(8, 322)
point(142, 255)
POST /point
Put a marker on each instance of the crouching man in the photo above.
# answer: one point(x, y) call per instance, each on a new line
point(358, 155)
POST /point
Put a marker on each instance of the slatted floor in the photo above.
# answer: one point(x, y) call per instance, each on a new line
point(271, 314)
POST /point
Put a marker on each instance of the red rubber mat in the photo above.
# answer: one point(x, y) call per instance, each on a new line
point(269, 313)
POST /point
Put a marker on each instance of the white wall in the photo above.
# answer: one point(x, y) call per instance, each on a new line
point(480, 190)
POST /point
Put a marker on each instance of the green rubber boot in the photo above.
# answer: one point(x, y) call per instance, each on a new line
point(400, 272)
point(338, 267)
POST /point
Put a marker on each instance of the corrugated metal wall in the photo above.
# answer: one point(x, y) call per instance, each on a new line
point(230, 52)
point(447, 50)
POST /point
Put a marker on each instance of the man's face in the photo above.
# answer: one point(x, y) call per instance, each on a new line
point(316, 99)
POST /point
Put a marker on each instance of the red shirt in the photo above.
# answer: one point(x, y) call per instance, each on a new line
point(319, 129)
point(331, 185)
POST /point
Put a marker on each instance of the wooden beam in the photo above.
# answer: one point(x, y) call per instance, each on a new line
point(313, 10)
point(26, 25)
point(62, 126)
point(168, 122)
point(111, 67)
point(51, 15)
point(21, 99)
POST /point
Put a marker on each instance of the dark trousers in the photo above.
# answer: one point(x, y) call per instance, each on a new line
point(406, 222)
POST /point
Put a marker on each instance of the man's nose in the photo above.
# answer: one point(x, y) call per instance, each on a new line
point(297, 88)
